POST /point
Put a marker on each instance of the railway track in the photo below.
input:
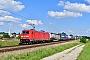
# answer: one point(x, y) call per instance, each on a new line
point(19, 47)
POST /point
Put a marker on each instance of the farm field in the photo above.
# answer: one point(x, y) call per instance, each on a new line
point(41, 53)
point(9, 42)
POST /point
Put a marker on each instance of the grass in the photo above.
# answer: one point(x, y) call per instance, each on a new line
point(41, 53)
point(9, 42)
point(85, 54)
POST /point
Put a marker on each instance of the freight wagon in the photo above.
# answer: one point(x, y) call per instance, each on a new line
point(31, 36)
point(54, 37)
point(59, 37)
point(71, 37)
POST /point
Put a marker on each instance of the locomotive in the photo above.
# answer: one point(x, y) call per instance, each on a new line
point(33, 36)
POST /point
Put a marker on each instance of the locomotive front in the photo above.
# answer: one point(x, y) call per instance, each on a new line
point(24, 37)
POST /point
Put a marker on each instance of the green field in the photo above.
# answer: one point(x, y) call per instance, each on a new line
point(9, 42)
point(41, 53)
point(85, 54)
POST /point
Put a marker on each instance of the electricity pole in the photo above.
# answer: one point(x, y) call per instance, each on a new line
point(32, 26)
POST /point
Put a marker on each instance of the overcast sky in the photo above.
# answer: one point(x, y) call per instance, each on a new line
point(70, 16)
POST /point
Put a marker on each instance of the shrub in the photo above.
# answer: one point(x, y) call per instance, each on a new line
point(83, 40)
point(1, 37)
point(5, 35)
point(18, 37)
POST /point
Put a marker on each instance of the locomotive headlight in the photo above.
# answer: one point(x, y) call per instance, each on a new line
point(27, 36)
point(21, 36)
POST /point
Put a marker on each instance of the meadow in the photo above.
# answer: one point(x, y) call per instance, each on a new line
point(9, 42)
point(85, 54)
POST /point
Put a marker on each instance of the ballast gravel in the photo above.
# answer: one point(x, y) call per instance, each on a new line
point(69, 54)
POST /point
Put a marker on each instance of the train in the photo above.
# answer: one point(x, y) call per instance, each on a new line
point(33, 36)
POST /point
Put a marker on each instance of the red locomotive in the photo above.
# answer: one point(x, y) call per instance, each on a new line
point(31, 36)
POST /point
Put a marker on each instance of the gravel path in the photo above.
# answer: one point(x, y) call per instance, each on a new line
point(69, 54)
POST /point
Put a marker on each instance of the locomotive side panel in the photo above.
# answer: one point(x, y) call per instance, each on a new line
point(37, 36)
point(46, 36)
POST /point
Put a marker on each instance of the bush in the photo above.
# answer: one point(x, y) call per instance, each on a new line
point(1, 37)
point(83, 40)
point(18, 37)
point(5, 35)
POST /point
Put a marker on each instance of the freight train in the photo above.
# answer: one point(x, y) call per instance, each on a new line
point(32, 36)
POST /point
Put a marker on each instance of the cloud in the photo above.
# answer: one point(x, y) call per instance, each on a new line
point(1, 23)
point(11, 5)
point(3, 12)
point(88, 1)
point(5, 6)
point(63, 14)
point(24, 25)
point(9, 19)
point(36, 22)
point(78, 7)
point(61, 3)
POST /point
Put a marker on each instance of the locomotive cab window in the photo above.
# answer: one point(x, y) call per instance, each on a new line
point(25, 32)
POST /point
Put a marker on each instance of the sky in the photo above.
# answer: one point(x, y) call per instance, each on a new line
point(69, 16)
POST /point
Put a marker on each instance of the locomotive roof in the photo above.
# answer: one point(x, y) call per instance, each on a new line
point(27, 30)
point(34, 30)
